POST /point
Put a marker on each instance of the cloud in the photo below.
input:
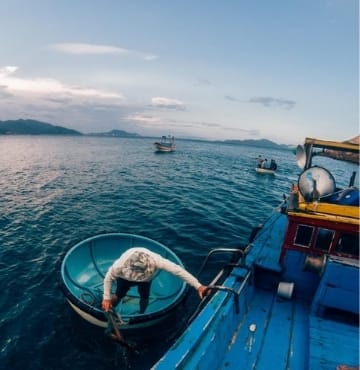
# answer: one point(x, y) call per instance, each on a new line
point(231, 98)
point(271, 102)
point(4, 93)
point(47, 88)
point(224, 127)
point(203, 82)
point(157, 121)
point(265, 101)
point(150, 57)
point(166, 103)
point(144, 118)
point(7, 70)
point(51, 100)
point(79, 48)
point(96, 49)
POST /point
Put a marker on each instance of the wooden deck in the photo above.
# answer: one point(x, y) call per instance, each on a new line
point(285, 338)
point(280, 340)
point(332, 344)
point(270, 332)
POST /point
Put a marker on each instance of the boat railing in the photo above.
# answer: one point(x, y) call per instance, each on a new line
point(228, 290)
point(238, 254)
point(235, 293)
point(215, 284)
point(236, 261)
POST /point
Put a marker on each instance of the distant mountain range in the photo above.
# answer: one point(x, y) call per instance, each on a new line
point(115, 133)
point(34, 127)
point(263, 143)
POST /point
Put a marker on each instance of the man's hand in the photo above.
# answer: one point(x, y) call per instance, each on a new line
point(106, 305)
point(202, 291)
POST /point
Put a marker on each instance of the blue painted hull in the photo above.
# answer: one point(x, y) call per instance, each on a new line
point(291, 300)
point(289, 333)
point(83, 270)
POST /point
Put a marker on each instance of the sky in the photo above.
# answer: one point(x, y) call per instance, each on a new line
point(208, 69)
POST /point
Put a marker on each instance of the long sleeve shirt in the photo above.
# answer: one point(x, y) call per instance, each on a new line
point(129, 267)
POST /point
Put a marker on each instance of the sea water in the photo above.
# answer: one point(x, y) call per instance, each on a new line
point(57, 191)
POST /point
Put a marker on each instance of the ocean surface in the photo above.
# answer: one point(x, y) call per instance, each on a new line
point(57, 191)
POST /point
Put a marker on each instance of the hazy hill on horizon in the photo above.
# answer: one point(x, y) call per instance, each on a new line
point(114, 133)
point(35, 127)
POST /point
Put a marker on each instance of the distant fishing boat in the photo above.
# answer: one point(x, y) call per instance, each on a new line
point(166, 144)
point(289, 299)
point(261, 166)
point(82, 275)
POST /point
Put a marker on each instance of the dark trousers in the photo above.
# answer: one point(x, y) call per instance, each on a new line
point(123, 286)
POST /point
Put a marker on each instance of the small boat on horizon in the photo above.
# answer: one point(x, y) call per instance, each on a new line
point(166, 144)
point(263, 169)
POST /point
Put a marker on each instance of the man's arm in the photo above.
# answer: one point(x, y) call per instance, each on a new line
point(109, 277)
point(173, 268)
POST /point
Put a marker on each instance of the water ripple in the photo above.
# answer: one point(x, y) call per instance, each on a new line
point(57, 191)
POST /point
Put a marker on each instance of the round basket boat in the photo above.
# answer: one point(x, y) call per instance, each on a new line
point(82, 274)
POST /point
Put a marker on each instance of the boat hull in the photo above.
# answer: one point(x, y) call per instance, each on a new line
point(164, 148)
point(261, 325)
point(83, 270)
point(265, 171)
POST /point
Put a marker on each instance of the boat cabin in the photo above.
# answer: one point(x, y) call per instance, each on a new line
point(317, 237)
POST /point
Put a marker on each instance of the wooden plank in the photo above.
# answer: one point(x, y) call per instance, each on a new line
point(278, 337)
point(334, 212)
point(246, 346)
point(332, 343)
point(334, 145)
point(280, 340)
point(299, 347)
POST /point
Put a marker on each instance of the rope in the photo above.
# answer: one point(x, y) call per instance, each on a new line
point(113, 331)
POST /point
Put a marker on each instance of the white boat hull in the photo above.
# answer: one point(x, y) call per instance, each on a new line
point(164, 148)
point(265, 171)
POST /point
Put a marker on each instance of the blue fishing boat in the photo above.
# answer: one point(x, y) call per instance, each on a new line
point(165, 145)
point(289, 299)
point(82, 275)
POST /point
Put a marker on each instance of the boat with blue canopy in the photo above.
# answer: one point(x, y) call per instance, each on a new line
point(82, 276)
point(289, 299)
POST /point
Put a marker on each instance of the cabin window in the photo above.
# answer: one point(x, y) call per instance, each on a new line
point(303, 235)
point(348, 244)
point(324, 239)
